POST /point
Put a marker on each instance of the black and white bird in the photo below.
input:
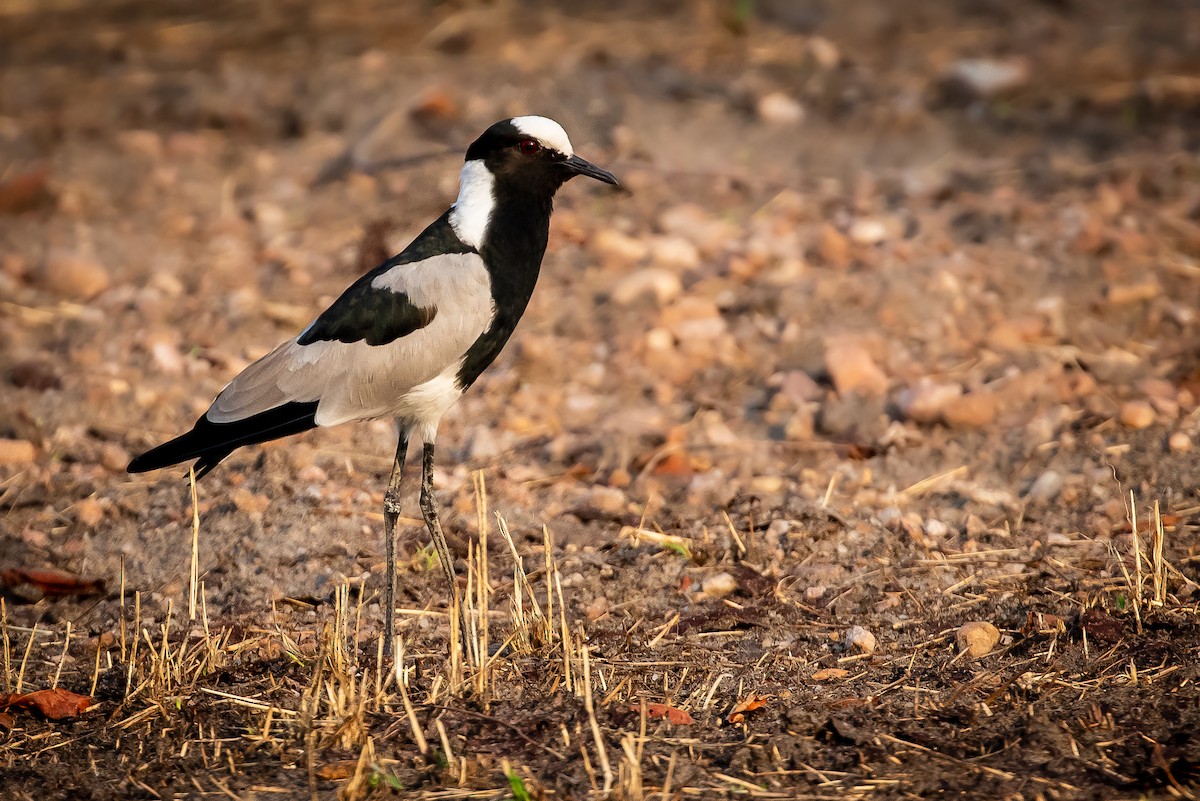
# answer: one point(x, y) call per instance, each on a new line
point(407, 339)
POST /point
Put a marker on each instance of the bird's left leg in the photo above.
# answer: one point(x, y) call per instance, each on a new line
point(391, 514)
point(429, 511)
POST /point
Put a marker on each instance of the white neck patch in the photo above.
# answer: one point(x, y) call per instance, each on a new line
point(546, 131)
point(471, 212)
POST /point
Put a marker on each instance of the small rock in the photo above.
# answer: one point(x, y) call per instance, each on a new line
point(1124, 294)
point(696, 225)
point(664, 285)
point(1137, 414)
point(778, 108)
point(1045, 487)
point(249, 503)
point(935, 529)
point(72, 275)
point(674, 252)
point(608, 499)
point(860, 639)
point(34, 374)
point(718, 586)
point(89, 512)
point(853, 370)
point(977, 638)
point(833, 247)
point(925, 401)
point(615, 247)
point(16, 451)
point(986, 77)
point(868, 232)
point(798, 387)
point(167, 357)
point(823, 52)
point(1180, 442)
point(974, 410)
point(597, 609)
point(694, 318)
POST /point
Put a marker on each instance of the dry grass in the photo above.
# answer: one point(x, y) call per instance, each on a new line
point(335, 714)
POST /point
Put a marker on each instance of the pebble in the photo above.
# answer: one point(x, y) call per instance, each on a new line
point(986, 77)
point(868, 232)
point(833, 247)
point(1045, 487)
point(674, 252)
point(615, 247)
point(719, 585)
point(1137, 414)
point(16, 451)
point(663, 285)
point(1124, 294)
point(72, 275)
point(696, 225)
point(860, 639)
point(974, 410)
point(853, 370)
point(694, 318)
point(608, 499)
point(597, 609)
point(977, 638)
point(89, 512)
point(1180, 442)
point(925, 401)
point(778, 108)
point(823, 52)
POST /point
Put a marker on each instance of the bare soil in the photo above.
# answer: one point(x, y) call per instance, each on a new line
point(893, 325)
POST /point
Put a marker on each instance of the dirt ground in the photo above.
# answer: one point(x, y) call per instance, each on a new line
point(819, 445)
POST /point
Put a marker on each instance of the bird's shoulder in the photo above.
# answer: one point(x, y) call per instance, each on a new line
point(391, 301)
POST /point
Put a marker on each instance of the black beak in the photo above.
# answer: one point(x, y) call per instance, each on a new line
point(578, 166)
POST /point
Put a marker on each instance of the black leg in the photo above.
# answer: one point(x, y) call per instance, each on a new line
point(391, 513)
point(429, 511)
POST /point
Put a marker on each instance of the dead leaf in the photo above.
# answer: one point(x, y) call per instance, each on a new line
point(829, 674)
point(24, 191)
point(674, 716)
point(747, 704)
point(52, 583)
point(1101, 626)
point(342, 769)
point(6, 720)
point(55, 704)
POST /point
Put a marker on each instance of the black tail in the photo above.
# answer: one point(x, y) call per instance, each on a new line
point(208, 443)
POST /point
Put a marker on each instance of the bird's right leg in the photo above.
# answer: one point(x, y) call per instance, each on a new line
point(391, 514)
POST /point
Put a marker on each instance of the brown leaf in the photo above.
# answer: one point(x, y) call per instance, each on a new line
point(677, 717)
point(52, 583)
point(6, 720)
point(828, 674)
point(55, 704)
point(1100, 626)
point(24, 191)
point(342, 769)
point(747, 704)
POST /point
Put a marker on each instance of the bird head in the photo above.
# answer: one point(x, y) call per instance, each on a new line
point(532, 154)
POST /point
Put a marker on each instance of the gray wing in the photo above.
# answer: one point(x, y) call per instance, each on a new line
point(450, 295)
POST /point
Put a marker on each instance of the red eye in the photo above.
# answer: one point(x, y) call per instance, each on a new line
point(529, 147)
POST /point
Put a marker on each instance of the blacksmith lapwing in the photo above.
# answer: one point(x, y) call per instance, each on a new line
point(407, 339)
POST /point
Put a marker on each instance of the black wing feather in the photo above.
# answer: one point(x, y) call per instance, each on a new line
point(210, 442)
point(378, 316)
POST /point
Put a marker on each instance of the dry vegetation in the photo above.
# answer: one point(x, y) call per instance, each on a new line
point(851, 452)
